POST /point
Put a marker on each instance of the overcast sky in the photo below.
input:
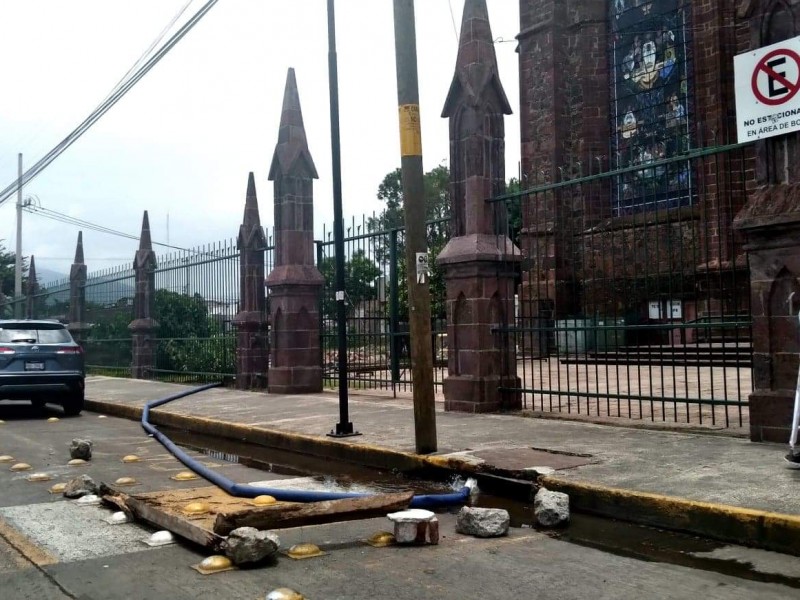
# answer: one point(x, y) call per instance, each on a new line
point(182, 142)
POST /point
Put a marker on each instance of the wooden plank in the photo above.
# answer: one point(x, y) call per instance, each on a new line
point(177, 525)
point(314, 513)
point(142, 510)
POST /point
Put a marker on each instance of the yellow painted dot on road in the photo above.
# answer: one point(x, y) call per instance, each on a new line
point(76, 462)
point(102, 417)
point(5, 458)
point(53, 420)
point(58, 488)
point(2, 422)
point(131, 458)
point(20, 467)
point(126, 481)
point(184, 476)
point(36, 477)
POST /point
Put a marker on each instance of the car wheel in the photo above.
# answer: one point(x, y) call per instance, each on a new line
point(38, 405)
point(73, 403)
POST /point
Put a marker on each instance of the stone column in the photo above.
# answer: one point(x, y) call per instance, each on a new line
point(144, 326)
point(252, 351)
point(478, 264)
point(77, 294)
point(771, 220)
point(32, 290)
point(295, 283)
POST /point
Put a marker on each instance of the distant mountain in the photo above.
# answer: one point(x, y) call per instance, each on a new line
point(48, 276)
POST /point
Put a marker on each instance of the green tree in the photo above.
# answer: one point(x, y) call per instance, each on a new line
point(360, 273)
point(436, 184)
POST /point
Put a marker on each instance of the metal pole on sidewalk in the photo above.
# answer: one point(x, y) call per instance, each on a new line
point(344, 427)
point(18, 257)
point(419, 298)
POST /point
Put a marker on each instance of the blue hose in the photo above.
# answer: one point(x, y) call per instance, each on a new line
point(248, 491)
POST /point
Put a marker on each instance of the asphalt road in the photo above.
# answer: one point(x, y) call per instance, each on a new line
point(53, 548)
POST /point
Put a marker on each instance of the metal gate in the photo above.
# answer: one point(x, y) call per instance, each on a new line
point(633, 291)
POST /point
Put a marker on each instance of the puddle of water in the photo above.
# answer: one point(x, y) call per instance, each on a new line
point(607, 535)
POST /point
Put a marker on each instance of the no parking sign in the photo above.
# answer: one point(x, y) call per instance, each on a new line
point(767, 91)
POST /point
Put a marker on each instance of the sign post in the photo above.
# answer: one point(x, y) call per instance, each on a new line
point(767, 85)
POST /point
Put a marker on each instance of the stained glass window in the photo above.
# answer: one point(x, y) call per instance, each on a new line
point(651, 102)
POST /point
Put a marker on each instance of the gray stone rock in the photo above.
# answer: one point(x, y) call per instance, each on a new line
point(80, 486)
point(483, 522)
point(551, 509)
point(249, 545)
point(81, 449)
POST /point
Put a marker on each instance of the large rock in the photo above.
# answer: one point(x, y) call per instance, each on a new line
point(248, 545)
point(483, 522)
point(551, 509)
point(80, 486)
point(81, 449)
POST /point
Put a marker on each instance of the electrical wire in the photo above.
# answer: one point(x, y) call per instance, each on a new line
point(68, 220)
point(43, 163)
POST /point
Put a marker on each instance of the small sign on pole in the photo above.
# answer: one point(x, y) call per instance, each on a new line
point(423, 270)
point(767, 83)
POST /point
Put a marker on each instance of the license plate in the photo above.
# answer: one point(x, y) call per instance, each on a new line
point(34, 366)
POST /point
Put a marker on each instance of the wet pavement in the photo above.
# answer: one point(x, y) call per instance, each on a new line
point(96, 560)
point(699, 467)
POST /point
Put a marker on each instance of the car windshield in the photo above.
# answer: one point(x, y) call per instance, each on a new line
point(34, 335)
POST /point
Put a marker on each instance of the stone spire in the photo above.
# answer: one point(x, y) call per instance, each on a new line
point(292, 152)
point(144, 325)
point(145, 242)
point(77, 293)
point(478, 263)
point(476, 64)
point(252, 353)
point(295, 282)
point(79, 250)
point(33, 289)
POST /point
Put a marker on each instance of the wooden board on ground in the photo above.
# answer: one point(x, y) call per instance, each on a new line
point(166, 510)
point(313, 513)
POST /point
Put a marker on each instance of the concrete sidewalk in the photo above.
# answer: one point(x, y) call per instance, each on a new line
point(605, 468)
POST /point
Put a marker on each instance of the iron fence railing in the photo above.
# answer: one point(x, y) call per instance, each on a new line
point(643, 315)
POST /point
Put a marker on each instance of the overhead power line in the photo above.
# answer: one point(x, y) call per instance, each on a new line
point(62, 218)
point(105, 106)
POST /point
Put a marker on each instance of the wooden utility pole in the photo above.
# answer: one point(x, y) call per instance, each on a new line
point(419, 298)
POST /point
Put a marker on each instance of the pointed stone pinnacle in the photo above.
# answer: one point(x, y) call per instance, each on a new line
point(292, 143)
point(474, 9)
point(79, 250)
point(145, 243)
point(476, 64)
point(32, 283)
point(251, 214)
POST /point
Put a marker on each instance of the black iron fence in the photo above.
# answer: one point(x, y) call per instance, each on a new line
point(377, 301)
point(642, 313)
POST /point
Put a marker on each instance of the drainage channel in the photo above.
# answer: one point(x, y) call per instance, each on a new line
point(607, 535)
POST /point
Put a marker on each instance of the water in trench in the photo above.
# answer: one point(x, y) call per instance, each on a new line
point(607, 535)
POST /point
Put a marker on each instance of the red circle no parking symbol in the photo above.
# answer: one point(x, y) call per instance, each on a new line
point(776, 78)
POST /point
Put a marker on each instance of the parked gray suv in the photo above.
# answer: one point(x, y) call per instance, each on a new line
point(40, 362)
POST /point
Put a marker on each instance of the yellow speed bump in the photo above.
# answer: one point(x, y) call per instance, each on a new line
point(302, 551)
point(214, 564)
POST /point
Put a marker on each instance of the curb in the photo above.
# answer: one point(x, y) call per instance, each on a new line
point(733, 524)
point(749, 527)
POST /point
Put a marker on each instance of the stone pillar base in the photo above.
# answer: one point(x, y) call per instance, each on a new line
point(295, 380)
point(771, 416)
point(464, 393)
